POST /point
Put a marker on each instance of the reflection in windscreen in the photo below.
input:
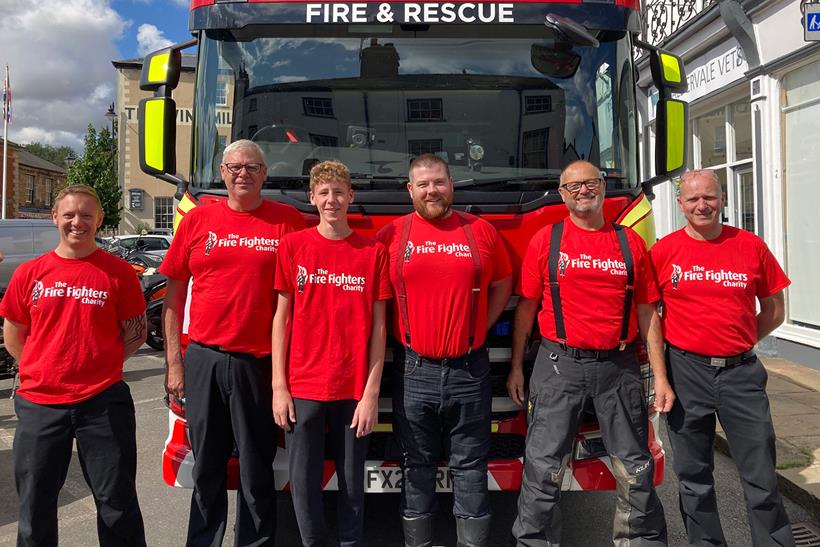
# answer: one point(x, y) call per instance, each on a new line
point(375, 103)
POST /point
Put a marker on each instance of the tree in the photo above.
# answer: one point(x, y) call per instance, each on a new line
point(98, 168)
point(54, 154)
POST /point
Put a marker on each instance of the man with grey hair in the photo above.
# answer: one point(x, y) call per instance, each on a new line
point(229, 249)
point(710, 276)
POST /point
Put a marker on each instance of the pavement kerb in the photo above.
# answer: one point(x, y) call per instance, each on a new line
point(801, 481)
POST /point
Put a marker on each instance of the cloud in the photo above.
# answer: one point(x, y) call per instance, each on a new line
point(59, 53)
point(150, 38)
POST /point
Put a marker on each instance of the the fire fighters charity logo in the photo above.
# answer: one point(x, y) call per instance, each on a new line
point(563, 262)
point(408, 251)
point(210, 243)
point(301, 278)
point(676, 275)
point(36, 292)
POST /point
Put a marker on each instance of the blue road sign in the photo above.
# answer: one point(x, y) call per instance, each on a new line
point(811, 20)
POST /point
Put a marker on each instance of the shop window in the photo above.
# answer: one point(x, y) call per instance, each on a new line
point(712, 132)
point(742, 129)
point(163, 212)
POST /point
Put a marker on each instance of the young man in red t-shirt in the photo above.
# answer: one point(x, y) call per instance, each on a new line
point(710, 276)
point(229, 249)
point(582, 272)
point(72, 317)
point(328, 354)
point(452, 278)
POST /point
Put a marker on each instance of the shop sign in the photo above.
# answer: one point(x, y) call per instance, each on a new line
point(717, 69)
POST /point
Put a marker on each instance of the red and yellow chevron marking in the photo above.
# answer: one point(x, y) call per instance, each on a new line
point(187, 203)
point(639, 217)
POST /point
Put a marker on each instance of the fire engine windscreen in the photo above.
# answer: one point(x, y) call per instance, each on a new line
point(503, 106)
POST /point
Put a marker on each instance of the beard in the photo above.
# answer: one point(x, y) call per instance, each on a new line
point(432, 210)
point(586, 207)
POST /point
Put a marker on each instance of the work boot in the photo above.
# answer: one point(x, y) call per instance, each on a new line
point(418, 531)
point(473, 532)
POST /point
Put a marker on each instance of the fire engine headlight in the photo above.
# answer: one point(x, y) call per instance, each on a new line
point(476, 152)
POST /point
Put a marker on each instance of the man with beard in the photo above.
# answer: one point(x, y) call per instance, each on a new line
point(588, 275)
point(452, 278)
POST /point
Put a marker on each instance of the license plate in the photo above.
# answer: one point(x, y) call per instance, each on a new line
point(389, 479)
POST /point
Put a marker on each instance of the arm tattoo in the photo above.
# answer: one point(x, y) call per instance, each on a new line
point(133, 329)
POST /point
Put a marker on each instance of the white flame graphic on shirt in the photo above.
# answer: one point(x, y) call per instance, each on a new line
point(210, 243)
point(563, 262)
point(301, 278)
point(36, 292)
point(408, 251)
point(676, 275)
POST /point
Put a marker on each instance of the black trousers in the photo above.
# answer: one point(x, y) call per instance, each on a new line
point(228, 399)
point(737, 396)
point(104, 427)
point(560, 387)
point(315, 422)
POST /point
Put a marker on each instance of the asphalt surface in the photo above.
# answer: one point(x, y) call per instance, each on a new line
point(587, 515)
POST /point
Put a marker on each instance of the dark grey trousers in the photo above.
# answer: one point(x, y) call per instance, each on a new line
point(104, 427)
point(560, 387)
point(315, 422)
point(228, 399)
point(737, 396)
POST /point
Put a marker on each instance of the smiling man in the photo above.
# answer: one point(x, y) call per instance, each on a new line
point(229, 249)
point(593, 280)
point(452, 278)
point(72, 317)
point(711, 276)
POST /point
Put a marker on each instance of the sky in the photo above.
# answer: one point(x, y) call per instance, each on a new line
point(59, 54)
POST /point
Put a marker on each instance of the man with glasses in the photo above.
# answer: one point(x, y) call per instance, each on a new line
point(594, 283)
point(711, 277)
point(229, 249)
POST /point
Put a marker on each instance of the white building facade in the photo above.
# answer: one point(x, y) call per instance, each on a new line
point(754, 110)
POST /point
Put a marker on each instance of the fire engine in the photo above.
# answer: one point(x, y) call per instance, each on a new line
point(507, 92)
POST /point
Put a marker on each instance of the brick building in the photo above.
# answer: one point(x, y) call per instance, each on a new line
point(32, 184)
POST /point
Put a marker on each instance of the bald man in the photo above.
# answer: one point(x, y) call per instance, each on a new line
point(710, 276)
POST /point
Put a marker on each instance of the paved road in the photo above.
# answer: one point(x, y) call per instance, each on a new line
point(587, 516)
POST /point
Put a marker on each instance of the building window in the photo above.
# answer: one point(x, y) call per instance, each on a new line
point(425, 146)
point(318, 106)
point(535, 104)
point(163, 212)
point(252, 129)
point(221, 92)
point(323, 140)
point(30, 193)
point(222, 141)
point(252, 105)
point(424, 110)
point(534, 153)
point(49, 191)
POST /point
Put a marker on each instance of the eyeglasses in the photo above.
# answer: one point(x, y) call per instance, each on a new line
point(575, 187)
point(236, 168)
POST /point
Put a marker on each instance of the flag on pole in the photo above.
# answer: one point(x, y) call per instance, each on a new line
point(7, 97)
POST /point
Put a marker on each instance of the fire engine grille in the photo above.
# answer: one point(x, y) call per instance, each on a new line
point(805, 535)
point(383, 446)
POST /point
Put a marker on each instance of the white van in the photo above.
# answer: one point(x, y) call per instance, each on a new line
point(24, 239)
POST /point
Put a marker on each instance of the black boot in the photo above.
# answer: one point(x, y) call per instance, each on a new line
point(418, 531)
point(473, 532)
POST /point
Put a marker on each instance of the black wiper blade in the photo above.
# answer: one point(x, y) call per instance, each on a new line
point(551, 177)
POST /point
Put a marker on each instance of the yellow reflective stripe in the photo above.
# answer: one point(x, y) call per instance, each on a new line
point(154, 134)
point(158, 69)
point(671, 68)
point(186, 204)
point(641, 219)
point(675, 134)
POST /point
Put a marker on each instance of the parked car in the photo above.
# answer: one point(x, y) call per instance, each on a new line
point(149, 244)
point(22, 240)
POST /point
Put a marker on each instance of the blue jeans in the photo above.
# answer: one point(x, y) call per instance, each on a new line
point(441, 409)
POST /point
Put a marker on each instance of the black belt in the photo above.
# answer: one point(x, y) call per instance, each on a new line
point(717, 362)
point(220, 349)
point(451, 361)
point(581, 353)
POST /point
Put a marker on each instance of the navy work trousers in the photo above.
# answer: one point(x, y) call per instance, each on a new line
point(560, 388)
point(105, 428)
point(440, 408)
point(737, 396)
point(228, 399)
point(315, 422)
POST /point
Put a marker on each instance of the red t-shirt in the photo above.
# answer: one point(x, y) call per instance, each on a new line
point(232, 259)
point(438, 279)
point(592, 284)
point(73, 308)
point(334, 284)
point(709, 289)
